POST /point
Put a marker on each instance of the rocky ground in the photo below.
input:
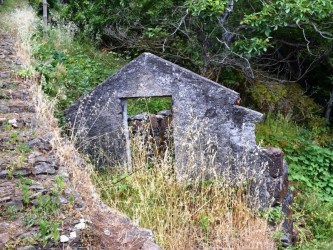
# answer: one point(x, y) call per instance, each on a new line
point(41, 207)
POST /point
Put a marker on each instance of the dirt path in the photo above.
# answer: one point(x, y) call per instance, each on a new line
point(40, 206)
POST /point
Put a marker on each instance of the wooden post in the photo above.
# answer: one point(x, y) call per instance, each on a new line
point(45, 14)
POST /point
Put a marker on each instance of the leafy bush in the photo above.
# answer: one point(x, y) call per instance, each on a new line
point(71, 69)
point(313, 166)
point(309, 162)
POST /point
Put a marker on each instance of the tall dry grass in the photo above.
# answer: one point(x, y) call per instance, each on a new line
point(199, 213)
point(21, 23)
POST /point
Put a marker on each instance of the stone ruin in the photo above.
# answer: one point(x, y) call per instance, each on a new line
point(209, 129)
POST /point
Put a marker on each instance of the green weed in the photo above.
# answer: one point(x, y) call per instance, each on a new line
point(25, 73)
point(11, 212)
point(24, 184)
point(309, 162)
point(48, 230)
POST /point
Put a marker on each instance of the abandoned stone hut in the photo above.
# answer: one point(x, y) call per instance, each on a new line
point(210, 131)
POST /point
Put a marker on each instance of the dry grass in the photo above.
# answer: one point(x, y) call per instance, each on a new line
point(22, 24)
point(195, 214)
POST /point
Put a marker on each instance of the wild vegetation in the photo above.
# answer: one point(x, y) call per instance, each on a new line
point(40, 211)
point(278, 54)
point(204, 214)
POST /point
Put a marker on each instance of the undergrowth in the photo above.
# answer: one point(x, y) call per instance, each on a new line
point(70, 68)
point(309, 153)
point(149, 105)
point(196, 214)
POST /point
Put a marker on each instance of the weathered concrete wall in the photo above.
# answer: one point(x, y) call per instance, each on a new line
point(210, 131)
point(196, 101)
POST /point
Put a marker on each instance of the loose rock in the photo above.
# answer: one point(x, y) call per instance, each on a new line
point(72, 235)
point(43, 168)
point(27, 248)
point(64, 238)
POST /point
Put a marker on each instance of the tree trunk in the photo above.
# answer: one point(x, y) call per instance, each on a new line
point(330, 101)
point(329, 108)
point(1, 1)
point(45, 14)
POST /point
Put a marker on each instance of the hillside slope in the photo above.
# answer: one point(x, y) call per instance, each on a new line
point(47, 200)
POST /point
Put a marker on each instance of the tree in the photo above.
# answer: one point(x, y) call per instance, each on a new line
point(283, 40)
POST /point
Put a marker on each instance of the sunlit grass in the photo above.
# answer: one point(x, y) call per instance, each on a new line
point(192, 214)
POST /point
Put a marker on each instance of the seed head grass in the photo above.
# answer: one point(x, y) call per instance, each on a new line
point(183, 214)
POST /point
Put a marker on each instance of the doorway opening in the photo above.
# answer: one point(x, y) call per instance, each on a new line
point(149, 131)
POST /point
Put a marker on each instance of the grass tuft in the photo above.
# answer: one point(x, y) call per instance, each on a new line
point(197, 214)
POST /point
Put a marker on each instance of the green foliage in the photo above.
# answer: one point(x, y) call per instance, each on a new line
point(252, 46)
point(48, 230)
point(60, 184)
point(313, 221)
point(309, 162)
point(9, 5)
point(209, 7)
point(72, 72)
point(310, 159)
point(44, 214)
point(288, 99)
point(176, 23)
point(47, 205)
point(23, 148)
point(24, 185)
point(25, 72)
point(11, 212)
point(280, 13)
point(273, 215)
point(121, 185)
point(313, 166)
point(150, 105)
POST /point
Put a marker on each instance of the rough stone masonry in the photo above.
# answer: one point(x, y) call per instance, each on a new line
point(30, 173)
point(210, 131)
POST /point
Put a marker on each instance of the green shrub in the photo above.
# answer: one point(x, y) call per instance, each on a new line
point(309, 162)
point(313, 166)
point(70, 69)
